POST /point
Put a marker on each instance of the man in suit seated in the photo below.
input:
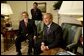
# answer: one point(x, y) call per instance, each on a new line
point(52, 34)
point(27, 30)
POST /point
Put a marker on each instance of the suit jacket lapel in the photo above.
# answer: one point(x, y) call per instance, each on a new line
point(24, 26)
point(45, 29)
point(51, 28)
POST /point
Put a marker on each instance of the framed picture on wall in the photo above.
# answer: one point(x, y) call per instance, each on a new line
point(42, 7)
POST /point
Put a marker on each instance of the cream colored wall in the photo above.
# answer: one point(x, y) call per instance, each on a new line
point(19, 6)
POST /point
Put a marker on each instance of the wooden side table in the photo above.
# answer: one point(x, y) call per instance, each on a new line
point(9, 38)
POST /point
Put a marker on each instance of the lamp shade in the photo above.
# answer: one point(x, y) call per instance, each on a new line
point(6, 9)
point(71, 8)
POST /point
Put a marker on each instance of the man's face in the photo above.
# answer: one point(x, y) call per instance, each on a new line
point(25, 16)
point(34, 6)
point(46, 19)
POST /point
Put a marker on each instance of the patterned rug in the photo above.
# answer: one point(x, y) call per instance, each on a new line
point(12, 50)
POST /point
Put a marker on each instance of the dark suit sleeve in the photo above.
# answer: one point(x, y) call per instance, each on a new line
point(35, 28)
point(58, 38)
point(31, 12)
point(20, 28)
point(40, 14)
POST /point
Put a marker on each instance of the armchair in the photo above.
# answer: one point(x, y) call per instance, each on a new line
point(71, 34)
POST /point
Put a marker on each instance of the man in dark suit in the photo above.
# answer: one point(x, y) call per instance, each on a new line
point(52, 34)
point(27, 30)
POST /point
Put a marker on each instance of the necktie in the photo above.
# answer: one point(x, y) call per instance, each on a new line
point(48, 30)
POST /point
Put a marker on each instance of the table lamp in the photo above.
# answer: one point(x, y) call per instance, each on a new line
point(6, 10)
point(71, 8)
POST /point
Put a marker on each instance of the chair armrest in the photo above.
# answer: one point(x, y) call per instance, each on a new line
point(71, 46)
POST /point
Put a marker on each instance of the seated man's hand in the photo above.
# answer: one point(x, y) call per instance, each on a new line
point(46, 47)
point(34, 37)
point(43, 47)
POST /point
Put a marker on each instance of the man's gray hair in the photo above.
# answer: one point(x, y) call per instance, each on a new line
point(51, 17)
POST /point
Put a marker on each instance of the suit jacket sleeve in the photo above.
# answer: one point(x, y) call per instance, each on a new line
point(35, 28)
point(40, 13)
point(31, 12)
point(20, 28)
point(58, 37)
